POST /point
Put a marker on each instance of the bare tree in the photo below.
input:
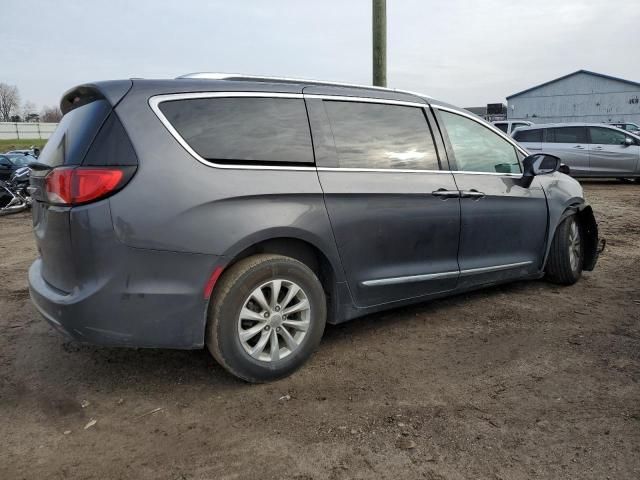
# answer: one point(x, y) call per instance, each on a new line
point(51, 114)
point(9, 101)
point(29, 112)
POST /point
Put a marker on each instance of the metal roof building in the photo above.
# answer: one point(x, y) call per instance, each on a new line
point(581, 96)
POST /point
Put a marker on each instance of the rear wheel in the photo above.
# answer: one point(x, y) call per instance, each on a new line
point(266, 317)
point(564, 265)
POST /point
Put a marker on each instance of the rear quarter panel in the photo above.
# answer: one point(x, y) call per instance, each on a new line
point(177, 203)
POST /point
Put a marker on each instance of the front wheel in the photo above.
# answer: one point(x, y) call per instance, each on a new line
point(266, 317)
point(564, 265)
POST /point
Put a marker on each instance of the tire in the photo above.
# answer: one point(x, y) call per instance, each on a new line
point(566, 256)
point(238, 291)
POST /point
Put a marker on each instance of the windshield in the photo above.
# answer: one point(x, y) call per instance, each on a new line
point(20, 160)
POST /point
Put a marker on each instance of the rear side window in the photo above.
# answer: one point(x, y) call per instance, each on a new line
point(375, 135)
point(502, 126)
point(243, 130)
point(528, 136)
point(567, 135)
point(75, 132)
point(111, 146)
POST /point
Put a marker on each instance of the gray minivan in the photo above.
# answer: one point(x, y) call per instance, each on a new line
point(243, 213)
point(588, 149)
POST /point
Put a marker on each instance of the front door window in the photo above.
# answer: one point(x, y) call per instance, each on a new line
point(477, 148)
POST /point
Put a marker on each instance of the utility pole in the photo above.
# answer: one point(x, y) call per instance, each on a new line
point(379, 27)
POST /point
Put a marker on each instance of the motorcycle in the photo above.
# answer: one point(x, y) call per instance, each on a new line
point(14, 194)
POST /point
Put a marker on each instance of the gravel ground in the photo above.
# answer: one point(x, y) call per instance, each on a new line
point(527, 380)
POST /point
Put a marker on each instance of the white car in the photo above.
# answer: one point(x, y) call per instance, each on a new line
point(628, 126)
point(508, 126)
point(33, 151)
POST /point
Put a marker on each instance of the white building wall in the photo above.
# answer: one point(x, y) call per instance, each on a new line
point(579, 98)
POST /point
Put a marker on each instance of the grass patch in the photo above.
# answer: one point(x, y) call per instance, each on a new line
point(15, 144)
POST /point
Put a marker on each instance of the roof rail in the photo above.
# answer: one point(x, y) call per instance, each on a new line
point(263, 78)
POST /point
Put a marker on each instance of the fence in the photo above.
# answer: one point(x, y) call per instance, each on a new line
point(26, 130)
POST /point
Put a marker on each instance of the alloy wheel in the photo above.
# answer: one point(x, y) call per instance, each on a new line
point(274, 320)
point(575, 246)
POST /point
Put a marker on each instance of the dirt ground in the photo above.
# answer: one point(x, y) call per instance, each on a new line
point(528, 380)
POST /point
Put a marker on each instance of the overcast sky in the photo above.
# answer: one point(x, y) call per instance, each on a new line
point(467, 52)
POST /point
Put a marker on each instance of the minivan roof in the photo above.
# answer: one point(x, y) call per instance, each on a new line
point(311, 86)
point(298, 81)
point(115, 90)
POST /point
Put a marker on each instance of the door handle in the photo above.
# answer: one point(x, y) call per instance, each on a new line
point(597, 148)
point(473, 193)
point(443, 193)
point(579, 147)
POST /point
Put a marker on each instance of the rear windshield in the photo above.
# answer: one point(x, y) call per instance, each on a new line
point(77, 129)
point(243, 130)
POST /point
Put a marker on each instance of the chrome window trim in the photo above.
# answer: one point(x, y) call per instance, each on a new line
point(442, 275)
point(343, 98)
point(156, 100)
point(398, 170)
point(381, 170)
point(497, 174)
point(489, 127)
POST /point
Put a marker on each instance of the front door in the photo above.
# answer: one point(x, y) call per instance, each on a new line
point(395, 214)
point(503, 224)
point(609, 155)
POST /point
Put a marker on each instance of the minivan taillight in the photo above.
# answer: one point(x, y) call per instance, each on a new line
point(76, 185)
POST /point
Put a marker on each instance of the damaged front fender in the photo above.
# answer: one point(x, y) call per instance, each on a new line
point(591, 244)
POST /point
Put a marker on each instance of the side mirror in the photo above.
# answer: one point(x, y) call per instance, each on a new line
point(539, 164)
point(564, 169)
point(628, 141)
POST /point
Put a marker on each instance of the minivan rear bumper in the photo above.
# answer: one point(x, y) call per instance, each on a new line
point(156, 302)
